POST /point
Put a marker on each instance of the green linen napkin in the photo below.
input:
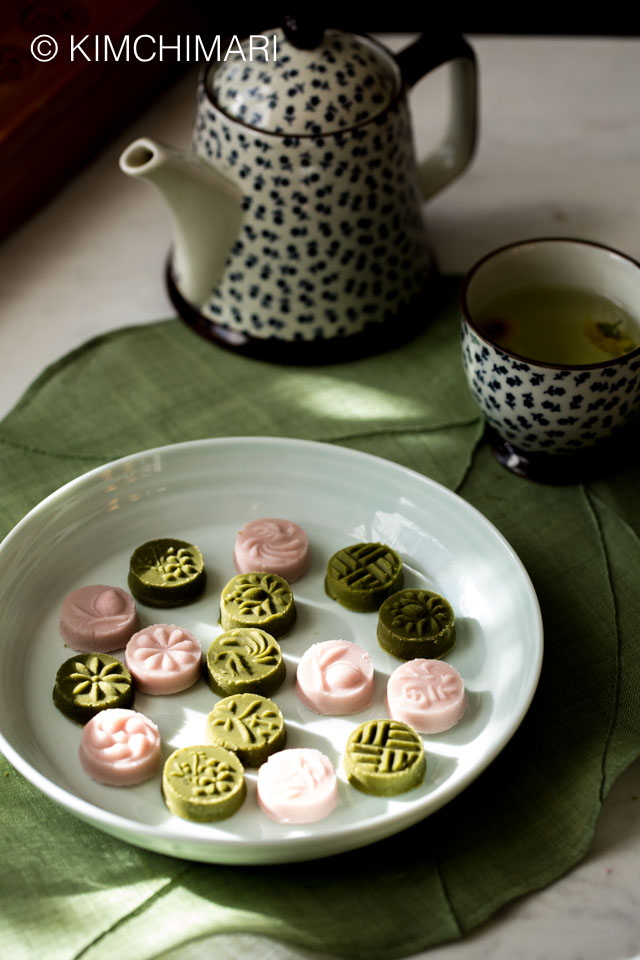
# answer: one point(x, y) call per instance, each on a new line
point(67, 890)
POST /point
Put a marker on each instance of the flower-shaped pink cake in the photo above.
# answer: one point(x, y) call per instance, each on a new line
point(163, 658)
point(427, 694)
point(335, 678)
point(120, 747)
point(297, 786)
point(98, 619)
point(271, 545)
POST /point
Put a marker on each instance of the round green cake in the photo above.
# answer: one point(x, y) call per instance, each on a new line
point(362, 575)
point(203, 783)
point(384, 758)
point(90, 682)
point(166, 573)
point(248, 724)
point(262, 600)
point(244, 660)
point(416, 624)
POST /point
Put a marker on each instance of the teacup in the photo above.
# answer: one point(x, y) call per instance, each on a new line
point(547, 414)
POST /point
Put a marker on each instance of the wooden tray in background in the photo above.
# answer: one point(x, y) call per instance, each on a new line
point(54, 115)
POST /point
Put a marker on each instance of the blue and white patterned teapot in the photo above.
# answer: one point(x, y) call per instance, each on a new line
point(298, 231)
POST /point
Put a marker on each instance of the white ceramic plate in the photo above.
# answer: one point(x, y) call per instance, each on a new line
point(204, 492)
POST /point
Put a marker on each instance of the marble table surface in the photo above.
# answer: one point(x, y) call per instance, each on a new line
point(559, 154)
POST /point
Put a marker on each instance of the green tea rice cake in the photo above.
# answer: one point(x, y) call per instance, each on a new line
point(203, 783)
point(384, 758)
point(248, 724)
point(362, 575)
point(166, 573)
point(262, 600)
point(90, 682)
point(416, 624)
point(244, 660)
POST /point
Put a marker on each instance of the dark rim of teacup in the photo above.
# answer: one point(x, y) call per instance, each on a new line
point(391, 103)
point(532, 241)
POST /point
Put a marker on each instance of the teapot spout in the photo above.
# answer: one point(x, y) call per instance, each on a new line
point(205, 209)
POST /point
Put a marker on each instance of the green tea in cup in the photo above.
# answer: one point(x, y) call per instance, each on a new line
point(551, 352)
point(558, 324)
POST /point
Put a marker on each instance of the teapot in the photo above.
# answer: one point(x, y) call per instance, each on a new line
point(297, 217)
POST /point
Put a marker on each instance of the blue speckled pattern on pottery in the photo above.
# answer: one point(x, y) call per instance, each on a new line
point(341, 82)
point(542, 408)
point(332, 235)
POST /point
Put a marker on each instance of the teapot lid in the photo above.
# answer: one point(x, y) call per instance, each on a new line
point(342, 81)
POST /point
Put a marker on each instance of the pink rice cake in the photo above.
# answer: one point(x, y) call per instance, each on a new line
point(120, 747)
point(335, 678)
point(270, 545)
point(163, 658)
point(429, 695)
point(98, 619)
point(297, 786)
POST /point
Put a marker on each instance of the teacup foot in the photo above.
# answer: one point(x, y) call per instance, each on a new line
point(608, 455)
